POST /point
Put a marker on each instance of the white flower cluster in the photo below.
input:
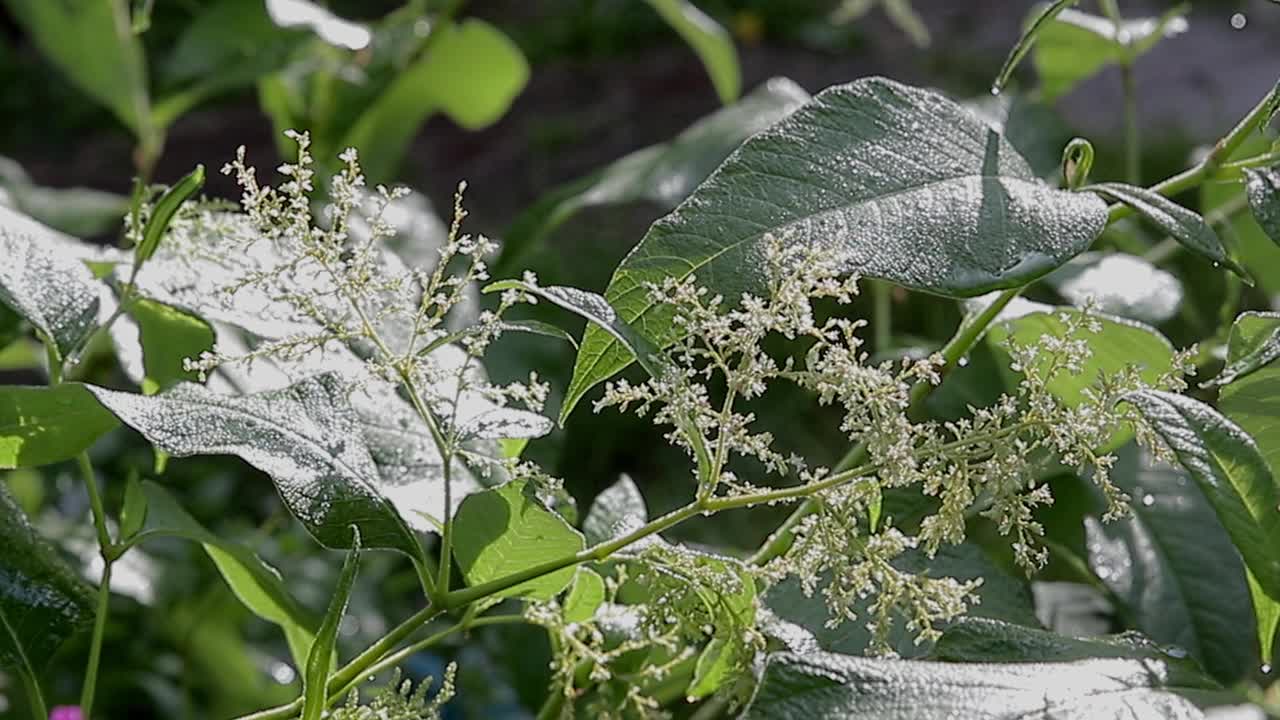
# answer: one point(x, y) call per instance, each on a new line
point(400, 701)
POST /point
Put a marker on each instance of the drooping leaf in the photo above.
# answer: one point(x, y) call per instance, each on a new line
point(1002, 597)
point(585, 596)
point(1077, 45)
point(1254, 344)
point(503, 530)
point(615, 512)
point(320, 660)
point(826, 685)
point(662, 174)
point(1173, 567)
point(1262, 186)
point(1108, 280)
point(981, 640)
point(1231, 472)
point(168, 337)
point(305, 436)
point(45, 425)
point(1185, 226)
point(1253, 403)
point(709, 40)
point(890, 181)
point(472, 73)
point(79, 211)
point(55, 293)
point(255, 583)
point(92, 43)
point(43, 601)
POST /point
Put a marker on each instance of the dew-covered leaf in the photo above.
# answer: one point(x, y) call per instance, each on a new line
point(1254, 344)
point(1173, 567)
point(1231, 472)
point(1253, 403)
point(57, 294)
point(255, 583)
point(1119, 284)
point(1183, 225)
point(306, 437)
point(890, 181)
point(1262, 186)
point(505, 530)
point(982, 640)
point(45, 425)
point(827, 685)
point(43, 601)
point(615, 512)
point(1076, 45)
point(662, 174)
point(709, 40)
point(1033, 127)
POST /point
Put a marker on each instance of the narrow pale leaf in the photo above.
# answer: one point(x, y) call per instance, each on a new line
point(712, 43)
point(320, 660)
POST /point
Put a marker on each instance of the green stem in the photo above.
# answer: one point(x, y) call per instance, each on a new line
point(95, 645)
point(35, 697)
point(1216, 157)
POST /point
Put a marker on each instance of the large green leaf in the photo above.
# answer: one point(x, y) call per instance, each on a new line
point(982, 640)
point(891, 181)
point(43, 601)
point(471, 72)
point(1174, 567)
point(305, 436)
point(55, 293)
point(168, 336)
point(1263, 188)
point(315, 679)
point(45, 425)
point(1001, 597)
point(504, 530)
point(662, 174)
point(1185, 226)
point(827, 685)
point(1076, 45)
point(1253, 403)
point(1231, 471)
point(92, 43)
point(257, 585)
point(712, 43)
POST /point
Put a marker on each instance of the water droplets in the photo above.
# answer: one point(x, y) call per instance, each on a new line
point(1148, 500)
point(1239, 21)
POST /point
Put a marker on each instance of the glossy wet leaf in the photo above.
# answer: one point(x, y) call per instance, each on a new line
point(662, 174)
point(471, 72)
point(709, 40)
point(890, 181)
point(1230, 470)
point(305, 436)
point(503, 530)
point(43, 601)
point(1253, 403)
point(255, 583)
point(168, 337)
point(1254, 344)
point(1119, 284)
point(320, 660)
point(1002, 597)
point(1183, 225)
point(44, 425)
point(615, 512)
point(585, 595)
point(1174, 567)
point(92, 43)
point(1262, 186)
point(1077, 45)
point(982, 640)
point(827, 685)
point(56, 294)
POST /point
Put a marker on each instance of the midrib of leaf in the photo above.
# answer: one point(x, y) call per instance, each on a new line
point(17, 643)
